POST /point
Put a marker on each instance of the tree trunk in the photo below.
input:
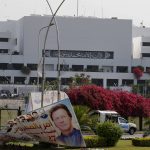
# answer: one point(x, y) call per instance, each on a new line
point(140, 123)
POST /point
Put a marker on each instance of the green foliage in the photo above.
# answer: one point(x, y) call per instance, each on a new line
point(51, 85)
point(94, 141)
point(135, 89)
point(111, 131)
point(146, 133)
point(82, 115)
point(147, 123)
point(142, 89)
point(141, 68)
point(145, 142)
point(95, 119)
point(25, 70)
point(79, 80)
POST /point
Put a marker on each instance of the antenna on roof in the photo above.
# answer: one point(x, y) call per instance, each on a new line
point(102, 8)
point(77, 7)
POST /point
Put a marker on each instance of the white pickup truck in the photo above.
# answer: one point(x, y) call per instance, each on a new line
point(107, 115)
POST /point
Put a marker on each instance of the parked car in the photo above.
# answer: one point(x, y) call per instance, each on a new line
point(107, 115)
point(5, 93)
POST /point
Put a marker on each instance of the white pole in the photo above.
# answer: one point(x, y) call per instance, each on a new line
point(59, 79)
point(77, 7)
point(43, 54)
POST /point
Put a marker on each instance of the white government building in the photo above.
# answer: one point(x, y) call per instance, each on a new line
point(105, 49)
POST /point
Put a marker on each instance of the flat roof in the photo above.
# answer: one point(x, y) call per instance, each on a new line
point(105, 111)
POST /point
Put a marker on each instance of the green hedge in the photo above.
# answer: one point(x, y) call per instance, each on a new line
point(145, 142)
point(94, 141)
point(110, 131)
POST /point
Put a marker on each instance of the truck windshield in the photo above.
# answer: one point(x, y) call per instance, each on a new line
point(122, 120)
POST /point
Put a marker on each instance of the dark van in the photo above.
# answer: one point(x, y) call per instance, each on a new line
point(5, 93)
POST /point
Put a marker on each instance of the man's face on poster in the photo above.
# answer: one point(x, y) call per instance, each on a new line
point(35, 115)
point(62, 120)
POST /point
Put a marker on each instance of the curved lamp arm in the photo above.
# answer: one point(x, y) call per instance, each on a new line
point(43, 53)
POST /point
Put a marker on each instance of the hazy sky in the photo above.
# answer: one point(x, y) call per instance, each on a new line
point(137, 10)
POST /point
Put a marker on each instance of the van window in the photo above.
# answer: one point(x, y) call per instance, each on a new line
point(122, 120)
point(108, 117)
point(114, 119)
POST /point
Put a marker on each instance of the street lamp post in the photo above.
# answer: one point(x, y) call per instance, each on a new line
point(58, 48)
point(43, 55)
point(41, 29)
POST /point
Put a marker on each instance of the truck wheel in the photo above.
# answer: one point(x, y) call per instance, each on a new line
point(131, 131)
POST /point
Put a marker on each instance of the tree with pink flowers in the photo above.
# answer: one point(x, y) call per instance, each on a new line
point(138, 72)
point(95, 97)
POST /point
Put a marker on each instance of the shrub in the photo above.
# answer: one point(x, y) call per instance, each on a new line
point(94, 141)
point(25, 70)
point(110, 131)
point(145, 142)
point(82, 115)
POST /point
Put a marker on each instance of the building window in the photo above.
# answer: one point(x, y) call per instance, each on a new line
point(50, 79)
point(123, 69)
point(3, 66)
point(32, 66)
point(112, 82)
point(48, 67)
point(4, 51)
point(106, 69)
point(9, 66)
point(39, 80)
point(98, 82)
point(65, 81)
point(145, 54)
point(147, 69)
point(91, 68)
point(126, 82)
point(33, 80)
point(17, 66)
point(5, 79)
point(146, 44)
point(16, 41)
point(63, 67)
point(140, 82)
point(3, 39)
point(15, 53)
point(141, 86)
point(77, 67)
point(19, 80)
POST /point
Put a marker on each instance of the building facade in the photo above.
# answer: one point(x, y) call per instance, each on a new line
point(104, 49)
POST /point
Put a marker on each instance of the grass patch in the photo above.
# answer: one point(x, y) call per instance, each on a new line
point(126, 145)
point(7, 115)
point(121, 145)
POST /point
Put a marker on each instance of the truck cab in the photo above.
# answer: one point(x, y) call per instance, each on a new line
point(113, 116)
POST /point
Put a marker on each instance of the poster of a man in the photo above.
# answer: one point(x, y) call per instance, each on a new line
point(55, 123)
point(62, 118)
